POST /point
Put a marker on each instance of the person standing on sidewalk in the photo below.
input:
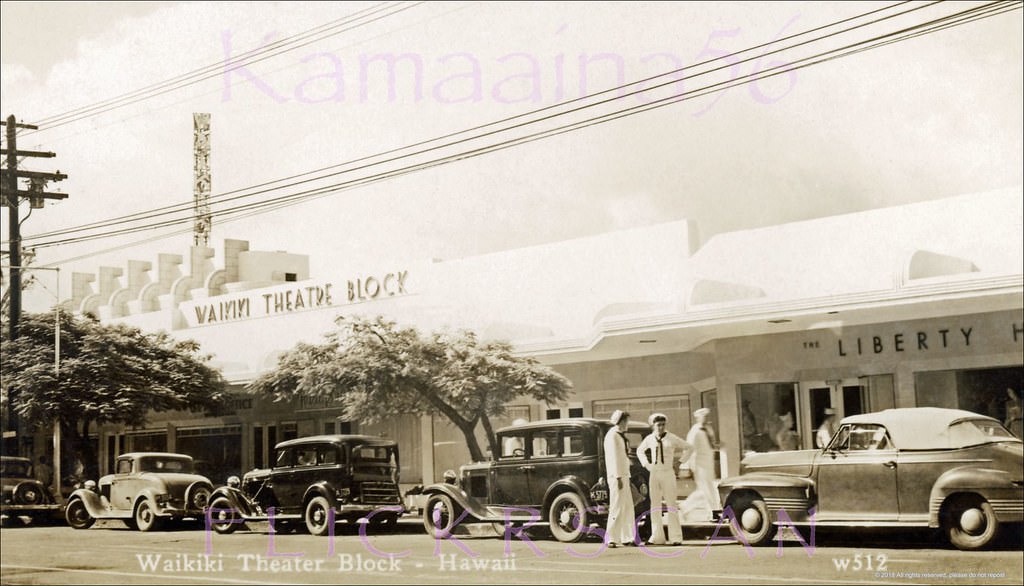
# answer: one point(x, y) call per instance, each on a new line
point(657, 453)
point(621, 519)
point(702, 462)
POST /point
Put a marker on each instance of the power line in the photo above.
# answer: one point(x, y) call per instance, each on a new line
point(255, 189)
point(283, 42)
point(963, 17)
point(235, 83)
point(203, 74)
point(466, 154)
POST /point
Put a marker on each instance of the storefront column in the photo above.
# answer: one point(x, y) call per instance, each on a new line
point(246, 447)
point(427, 441)
point(172, 438)
point(728, 422)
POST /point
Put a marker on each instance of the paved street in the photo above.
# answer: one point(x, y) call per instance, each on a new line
point(112, 554)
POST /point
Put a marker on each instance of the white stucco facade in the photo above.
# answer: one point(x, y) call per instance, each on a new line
point(824, 312)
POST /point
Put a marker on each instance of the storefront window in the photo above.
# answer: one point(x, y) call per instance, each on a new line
point(676, 408)
point(995, 392)
point(150, 441)
point(768, 417)
point(217, 451)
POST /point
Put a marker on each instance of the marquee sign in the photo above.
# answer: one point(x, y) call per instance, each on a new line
point(291, 298)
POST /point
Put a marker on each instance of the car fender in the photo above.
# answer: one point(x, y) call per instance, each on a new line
point(94, 503)
point(567, 484)
point(770, 485)
point(322, 488)
point(459, 497)
point(240, 502)
point(999, 487)
point(149, 494)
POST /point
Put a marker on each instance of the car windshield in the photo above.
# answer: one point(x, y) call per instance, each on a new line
point(15, 469)
point(971, 432)
point(163, 464)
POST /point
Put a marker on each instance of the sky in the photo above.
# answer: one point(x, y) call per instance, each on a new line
point(926, 118)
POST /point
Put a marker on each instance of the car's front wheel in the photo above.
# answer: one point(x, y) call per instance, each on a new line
point(970, 523)
point(77, 515)
point(439, 516)
point(223, 516)
point(568, 517)
point(319, 516)
point(751, 519)
point(146, 518)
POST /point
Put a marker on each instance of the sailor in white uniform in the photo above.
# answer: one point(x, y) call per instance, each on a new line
point(657, 453)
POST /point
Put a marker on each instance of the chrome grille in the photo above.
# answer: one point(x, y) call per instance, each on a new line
point(382, 493)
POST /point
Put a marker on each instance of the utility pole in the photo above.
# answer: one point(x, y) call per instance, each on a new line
point(11, 197)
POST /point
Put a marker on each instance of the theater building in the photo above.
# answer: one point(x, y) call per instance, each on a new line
point(917, 305)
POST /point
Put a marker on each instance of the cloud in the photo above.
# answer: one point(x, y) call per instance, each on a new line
point(15, 77)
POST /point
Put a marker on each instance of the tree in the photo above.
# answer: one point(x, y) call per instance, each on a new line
point(28, 278)
point(378, 370)
point(108, 374)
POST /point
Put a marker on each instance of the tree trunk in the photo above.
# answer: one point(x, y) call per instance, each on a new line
point(469, 431)
point(492, 440)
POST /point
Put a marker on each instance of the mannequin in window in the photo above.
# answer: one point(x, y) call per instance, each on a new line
point(785, 437)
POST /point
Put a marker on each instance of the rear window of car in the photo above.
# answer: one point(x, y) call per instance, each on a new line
point(165, 465)
point(970, 432)
point(374, 453)
point(15, 469)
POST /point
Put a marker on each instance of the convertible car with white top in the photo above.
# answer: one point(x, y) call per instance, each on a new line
point(947, 469)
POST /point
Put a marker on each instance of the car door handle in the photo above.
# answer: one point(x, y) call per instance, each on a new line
point(526, 467)
point(890, 465)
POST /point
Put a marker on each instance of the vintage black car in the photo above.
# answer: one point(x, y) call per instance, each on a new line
point(547, 472)
point(316, 480)
point(23, 495)
point(916, 467)
point(146, 489)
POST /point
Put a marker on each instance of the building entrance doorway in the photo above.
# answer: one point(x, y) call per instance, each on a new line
point(845, 397)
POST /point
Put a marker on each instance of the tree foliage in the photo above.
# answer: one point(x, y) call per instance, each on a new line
point(108, 374)
point(377, 370)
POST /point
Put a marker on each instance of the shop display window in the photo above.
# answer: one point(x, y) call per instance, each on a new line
point(769, 419)
point(995, 392)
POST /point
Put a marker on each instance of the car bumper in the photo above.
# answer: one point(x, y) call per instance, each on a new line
point(5, 509)
point(172, 511)
point(361, 509)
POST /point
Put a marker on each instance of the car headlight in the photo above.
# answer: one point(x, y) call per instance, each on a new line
point(90, 485)
point(234, 481)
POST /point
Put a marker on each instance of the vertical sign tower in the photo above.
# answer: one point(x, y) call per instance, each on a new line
point(202, 222)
